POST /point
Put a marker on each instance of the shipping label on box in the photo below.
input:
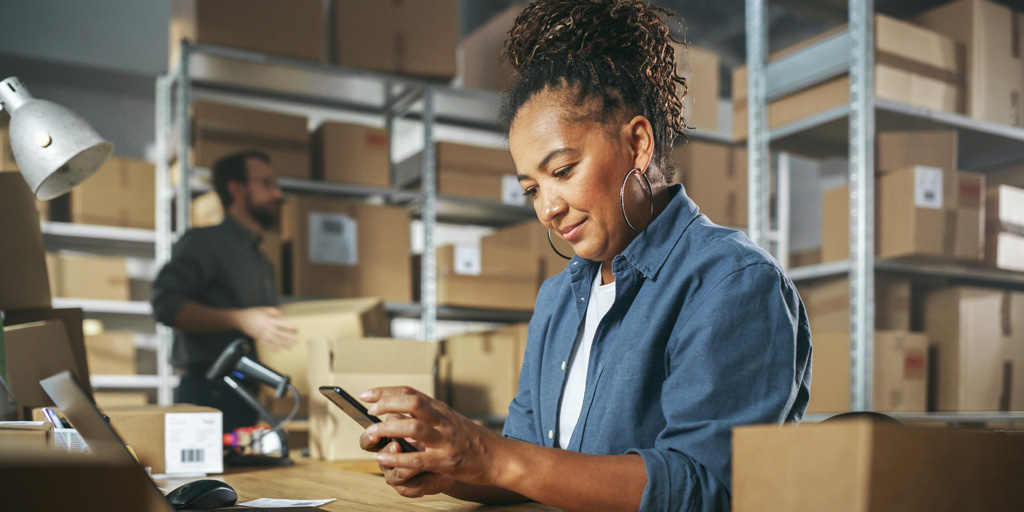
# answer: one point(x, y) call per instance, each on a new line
point(467, 260)
point(512, 190)
point(333, 239)
point(192, 443)
point(928, 187)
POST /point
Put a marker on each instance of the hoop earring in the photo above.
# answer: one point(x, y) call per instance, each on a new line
point(622, 201)
point(552, 244)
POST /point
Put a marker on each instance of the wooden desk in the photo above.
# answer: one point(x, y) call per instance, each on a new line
point(354, 491)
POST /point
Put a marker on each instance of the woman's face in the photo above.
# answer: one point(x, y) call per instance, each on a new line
point(572, 171)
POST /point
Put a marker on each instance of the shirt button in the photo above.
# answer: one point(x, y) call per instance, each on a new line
point(583, 298)
point(563, 366)
point(551, 434)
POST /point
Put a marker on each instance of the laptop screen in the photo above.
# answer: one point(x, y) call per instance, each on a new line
point(72, 399)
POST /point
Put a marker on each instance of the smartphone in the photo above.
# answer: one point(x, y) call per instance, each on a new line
point(356, 411)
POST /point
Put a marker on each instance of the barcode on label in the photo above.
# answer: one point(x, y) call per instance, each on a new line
point(192, 455)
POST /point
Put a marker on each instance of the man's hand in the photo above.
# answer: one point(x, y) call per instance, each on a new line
point(265, 326)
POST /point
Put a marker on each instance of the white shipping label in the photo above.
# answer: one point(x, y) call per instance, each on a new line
point(192, 442)
point(333, 239)
point(512, 191)
point(467, 260)
point(928, 187)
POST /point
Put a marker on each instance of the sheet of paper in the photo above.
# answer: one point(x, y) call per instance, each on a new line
point(277, 503)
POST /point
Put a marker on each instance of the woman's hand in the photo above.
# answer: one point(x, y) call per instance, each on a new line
point(409, 483)
point(451, 447)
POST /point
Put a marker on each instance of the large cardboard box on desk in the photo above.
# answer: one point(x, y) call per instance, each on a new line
point(294, 30)
point(715, 177)
point(484, 370)
point(393, 36)
point(861, 466)
point(356, 365)
point(469, 171)
point(121, 193)
point(920, 211)
point(979, 339)
point(88, 276)
point(352, 153)
point(23, 279)
point(222, 129)
point(172, 439)
point(323, 319)
point(344, 249)
point(900, 365)
point(1004, 227)
point(25, 434)
point(913, 65)
point(37, 349)
point(993, 36)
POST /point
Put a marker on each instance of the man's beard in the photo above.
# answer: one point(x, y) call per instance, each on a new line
point(265, 215)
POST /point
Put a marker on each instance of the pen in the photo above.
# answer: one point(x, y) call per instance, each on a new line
point(51, 417)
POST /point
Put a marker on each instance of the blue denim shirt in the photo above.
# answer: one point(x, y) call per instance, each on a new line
point(706, 333)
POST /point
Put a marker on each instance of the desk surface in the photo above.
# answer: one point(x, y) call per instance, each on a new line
point(354, 491)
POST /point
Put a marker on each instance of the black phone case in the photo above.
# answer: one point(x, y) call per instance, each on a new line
point(357, 412)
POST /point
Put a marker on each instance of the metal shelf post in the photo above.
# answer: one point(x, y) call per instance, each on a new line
point(428, 271)
point(862, 201)
point(757, 132)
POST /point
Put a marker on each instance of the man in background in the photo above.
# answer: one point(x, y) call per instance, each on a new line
point(218, 286)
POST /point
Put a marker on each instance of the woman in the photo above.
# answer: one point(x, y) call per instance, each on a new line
point(665, 330)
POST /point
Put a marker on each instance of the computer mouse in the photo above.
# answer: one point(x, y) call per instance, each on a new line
point(202, 494)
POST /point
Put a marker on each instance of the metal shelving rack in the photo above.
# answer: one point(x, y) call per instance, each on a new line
point(851, 128)
point(283, 81)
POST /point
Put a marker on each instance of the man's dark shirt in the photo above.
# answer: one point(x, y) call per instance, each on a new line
point(219, 266)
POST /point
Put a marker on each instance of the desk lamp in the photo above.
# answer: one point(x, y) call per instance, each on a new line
point(54, 147)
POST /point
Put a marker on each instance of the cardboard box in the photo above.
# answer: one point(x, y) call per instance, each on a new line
point(913, 65)
point(88, 276)
point(409, 38)
point(900, 372)
point(47, 479)
point(296, 30)
point(828, 303)
point(469, 171)
point(505, 271)
point(26, 434)
point(701, 69)
point(715, 177)
point(356, 365)
point(351, 153)
point(979, 336)
point(342, 249)
point(172, 439)
point(111, 353)
point(1004, 227)
point(483, 375)
point(36, 350)
point(860, 466)
point(221, 129)
point(121, 193)
point(993, 36)
point(324, 319)
point(932, 148)
point(482, 64)
point(920, 211)
point(7, 162)
point(120, 399)
point(23, 279)
point(207, 210)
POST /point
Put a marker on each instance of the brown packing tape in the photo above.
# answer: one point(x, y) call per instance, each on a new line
point(918, 68)
point(1006, 314)
point(1006, 395)
point(949, 233)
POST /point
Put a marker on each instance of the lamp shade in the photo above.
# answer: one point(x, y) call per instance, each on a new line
point(54, 147)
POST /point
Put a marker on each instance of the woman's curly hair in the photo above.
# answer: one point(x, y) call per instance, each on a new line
point(615, 51)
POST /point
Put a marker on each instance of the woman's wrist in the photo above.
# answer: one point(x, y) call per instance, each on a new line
point(505, 457)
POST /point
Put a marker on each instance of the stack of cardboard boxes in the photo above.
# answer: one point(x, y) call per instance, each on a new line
point(715, 177)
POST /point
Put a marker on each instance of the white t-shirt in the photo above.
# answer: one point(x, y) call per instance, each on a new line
point(602, 296)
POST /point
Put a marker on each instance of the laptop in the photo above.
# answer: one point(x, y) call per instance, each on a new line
point(73, 400)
